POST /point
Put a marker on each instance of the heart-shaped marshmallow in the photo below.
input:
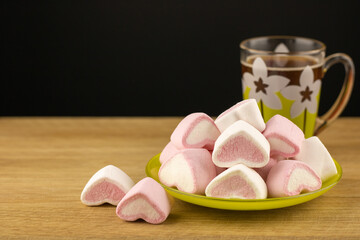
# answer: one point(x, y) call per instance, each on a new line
point(168, 152)
point(146, 200)
point(246, 110)
point(109, 184)
point(314, 153)
point(291, 177)
point(241, 143)
point(284, 136)
point(196, 130)
point(190, 171)
point(238, 181)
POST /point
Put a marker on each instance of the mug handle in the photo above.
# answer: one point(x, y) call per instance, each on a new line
point(336, 109)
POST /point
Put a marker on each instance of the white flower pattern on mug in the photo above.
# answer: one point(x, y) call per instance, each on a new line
point(304, 95)
point(281, 48)
point(263, 87)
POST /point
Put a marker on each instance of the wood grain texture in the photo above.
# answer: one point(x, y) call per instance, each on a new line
point(46, 162)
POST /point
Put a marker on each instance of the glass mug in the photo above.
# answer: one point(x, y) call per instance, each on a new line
point(283, 74)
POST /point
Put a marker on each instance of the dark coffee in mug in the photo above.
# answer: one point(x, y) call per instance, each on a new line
point(290, 67)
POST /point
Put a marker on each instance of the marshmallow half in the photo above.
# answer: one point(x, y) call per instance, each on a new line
point(108, 185)
point(246, 110)
point(241, 143)
point(146, 200)
point(292, 177)
point(196, 130)
point(314, 153)
point(284, 136)
point(238, 181)
point(190, 171)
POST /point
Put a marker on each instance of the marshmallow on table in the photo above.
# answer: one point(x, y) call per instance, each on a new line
point(284, 136)
point(246, 110)
point(196, 130)
point(291, 177)
point(168, 152)
point(109, 184)
point(238, 181)
point(314, 153)
point(190, 170)
point(146, 200)
point(264, 171)
point(241, 143)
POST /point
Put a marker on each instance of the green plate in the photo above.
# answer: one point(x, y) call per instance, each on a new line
point(152, 169)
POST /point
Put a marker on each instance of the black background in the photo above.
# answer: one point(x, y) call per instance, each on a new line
point(151, 58)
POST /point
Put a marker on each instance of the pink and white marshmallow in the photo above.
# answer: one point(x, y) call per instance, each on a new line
point(168, 152)
point(238, 181)
point(190, 171)
point(246, 110)
point(241, 143)
point(284, 136)
point(314, 153)
point(146, 200)
point(196, 130)
point(291, 177)
point(108, 185)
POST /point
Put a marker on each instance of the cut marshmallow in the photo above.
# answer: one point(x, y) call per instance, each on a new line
point(196, 130)
point(314, 153)
point(238, 181)
point(292, 177)
point(146, 200)
point(190, 171)
point(246, 110)
point(108, 185)
point(241, 143)
point(284, 136)
point(168, 152)
point(264, 171)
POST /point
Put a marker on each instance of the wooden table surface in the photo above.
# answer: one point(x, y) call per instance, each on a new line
point(46, 162)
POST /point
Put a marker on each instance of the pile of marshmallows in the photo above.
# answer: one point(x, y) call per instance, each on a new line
point(235, 156)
